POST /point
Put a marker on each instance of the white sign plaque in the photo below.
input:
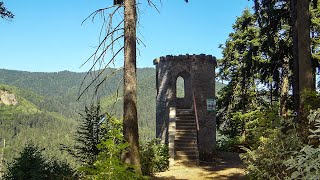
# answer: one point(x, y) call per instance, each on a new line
point(211, 104)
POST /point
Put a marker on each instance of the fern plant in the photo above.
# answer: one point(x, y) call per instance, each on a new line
point(305, 164)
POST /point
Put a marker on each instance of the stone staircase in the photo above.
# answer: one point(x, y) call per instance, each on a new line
point(185, 143)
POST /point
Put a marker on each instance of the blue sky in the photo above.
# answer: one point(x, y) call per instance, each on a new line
point(47, 36)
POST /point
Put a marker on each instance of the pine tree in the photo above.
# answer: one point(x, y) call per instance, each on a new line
point(87, 136)
point(240, 66)
point(30, 165)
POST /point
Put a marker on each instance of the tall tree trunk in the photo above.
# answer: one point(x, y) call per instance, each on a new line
point(284, 87)
point(130, 118)
point(303, 72)
point(306, 78)
point(295, 82)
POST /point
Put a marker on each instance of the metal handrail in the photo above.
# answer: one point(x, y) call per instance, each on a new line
point(195, 111)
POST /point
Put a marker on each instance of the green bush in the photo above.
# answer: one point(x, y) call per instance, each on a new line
point(283, 155)
point(226, 143)
point(305, 164)
point(154, 157)
point(109, 164)
point(261, 123)
point(267, 160)
point(32, 165)
point(311, 100)
point(245, 129)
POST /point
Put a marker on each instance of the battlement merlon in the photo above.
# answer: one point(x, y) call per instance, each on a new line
point(200, 57)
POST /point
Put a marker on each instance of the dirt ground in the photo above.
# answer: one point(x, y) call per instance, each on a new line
point(227, 166)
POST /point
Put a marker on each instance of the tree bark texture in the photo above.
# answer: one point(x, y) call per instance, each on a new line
point(130, 118)
point(303, 70)
point(284, 87)
point(306, 78)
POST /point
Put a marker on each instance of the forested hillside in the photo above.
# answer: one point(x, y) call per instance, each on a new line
point(30, 121)
point(48, 108)
point(269, 110)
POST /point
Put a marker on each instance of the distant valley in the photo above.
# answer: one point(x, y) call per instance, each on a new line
point(48, 109)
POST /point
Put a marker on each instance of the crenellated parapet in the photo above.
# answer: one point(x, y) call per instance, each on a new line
point(194, 57)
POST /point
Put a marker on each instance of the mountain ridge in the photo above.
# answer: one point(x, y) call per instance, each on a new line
point(54, 110)
point(27, 122)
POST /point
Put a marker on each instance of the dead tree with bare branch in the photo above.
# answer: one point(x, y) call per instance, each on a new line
point(111, 34)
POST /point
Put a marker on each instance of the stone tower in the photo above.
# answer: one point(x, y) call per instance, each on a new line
point(198, 73)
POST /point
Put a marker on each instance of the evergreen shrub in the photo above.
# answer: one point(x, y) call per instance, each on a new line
point(154, 157)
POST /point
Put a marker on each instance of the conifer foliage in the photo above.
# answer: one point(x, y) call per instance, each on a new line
point(88, 135)
point(32, 165)
point(271, 89)
point(4, 13)
point(258, 61)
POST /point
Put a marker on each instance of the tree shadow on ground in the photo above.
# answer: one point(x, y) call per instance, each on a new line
point(226, 166)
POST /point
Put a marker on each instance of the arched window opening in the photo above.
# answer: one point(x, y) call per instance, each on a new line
point(180, 87)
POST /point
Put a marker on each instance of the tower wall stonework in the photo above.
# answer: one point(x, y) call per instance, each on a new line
point(198, 72)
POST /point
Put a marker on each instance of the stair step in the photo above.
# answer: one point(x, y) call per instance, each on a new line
point(184, 133)
point(184, 115)
point(185, 127)
point(186, 119)
point(192, 121)
point(186, 148)
point(178, 125)
point(188, 123)
point(186, 153)
point(185, 136)
point(186, 139)
point(184, 110)
point(185, 142)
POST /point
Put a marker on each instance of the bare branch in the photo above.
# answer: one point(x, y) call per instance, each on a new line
point(101, 43)
point(100, 73)
point(140, 41)
point(93, 14)
point(108, 36)
point(153, 5)
point(106, 77)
